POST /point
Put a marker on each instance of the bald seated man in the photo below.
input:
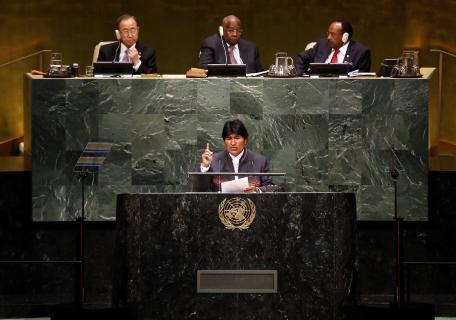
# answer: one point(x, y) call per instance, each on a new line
point(229, 48)
point(338, 42)
point(128, 49)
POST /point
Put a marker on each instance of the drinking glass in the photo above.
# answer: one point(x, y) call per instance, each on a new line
point(89, 71)
point(56, 59)
point(55, 62)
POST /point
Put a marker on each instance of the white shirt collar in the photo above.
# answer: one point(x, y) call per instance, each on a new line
point(238, 157)
point(343, 49)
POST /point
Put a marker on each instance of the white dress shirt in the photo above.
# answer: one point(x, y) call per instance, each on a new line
point(234, 159)
point(123, 52)
point(340, 55)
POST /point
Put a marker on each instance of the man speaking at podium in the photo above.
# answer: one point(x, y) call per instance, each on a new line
point(235, 158)
point(227, 47)
point(127, 49)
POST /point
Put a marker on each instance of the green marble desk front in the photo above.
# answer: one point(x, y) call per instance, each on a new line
point(326, 134)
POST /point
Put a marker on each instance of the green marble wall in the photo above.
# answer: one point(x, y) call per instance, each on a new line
point(326, 134)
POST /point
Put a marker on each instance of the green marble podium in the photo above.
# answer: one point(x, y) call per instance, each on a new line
point(327, 134)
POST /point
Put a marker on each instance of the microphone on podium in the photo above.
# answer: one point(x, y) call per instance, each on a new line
point(118, 44)
point(223, 43)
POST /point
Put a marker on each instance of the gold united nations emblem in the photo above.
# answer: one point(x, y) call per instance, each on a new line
point(236, 213)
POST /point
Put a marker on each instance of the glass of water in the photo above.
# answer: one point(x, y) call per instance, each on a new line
point(55, 62)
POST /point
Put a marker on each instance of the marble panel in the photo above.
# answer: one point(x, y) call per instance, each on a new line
point(148, 96)
point(115, 96)
point(279, 97)
point(345, 96)
point(324, 133)
point(247, 97)
point(312, 97)
point(213, 100)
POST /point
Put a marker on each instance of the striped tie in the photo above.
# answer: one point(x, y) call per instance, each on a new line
point(125, 57)
point(232, 58)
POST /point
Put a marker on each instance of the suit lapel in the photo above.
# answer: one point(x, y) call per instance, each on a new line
point(349, 54)
point(242, 52)
point(227, 164)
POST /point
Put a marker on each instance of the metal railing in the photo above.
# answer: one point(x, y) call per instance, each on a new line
point(40, 54)
point(441, 54)
point(37, 53)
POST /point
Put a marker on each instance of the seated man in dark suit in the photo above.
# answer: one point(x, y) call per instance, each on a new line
point(128, 49)
point(227, 47)
point(235, 158)
point(337, 47)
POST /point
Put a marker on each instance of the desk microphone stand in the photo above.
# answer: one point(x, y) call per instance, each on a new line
point(80, 296)
point(89, 162)
point(398, 283)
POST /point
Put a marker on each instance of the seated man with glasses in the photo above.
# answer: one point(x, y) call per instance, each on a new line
point(127, 49)
point(227, 47)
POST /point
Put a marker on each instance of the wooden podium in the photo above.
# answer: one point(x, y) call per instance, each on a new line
point(235, 256)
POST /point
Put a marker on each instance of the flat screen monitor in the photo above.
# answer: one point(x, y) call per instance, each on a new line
point(112, 69)
point(226, 70)
point(329, 69)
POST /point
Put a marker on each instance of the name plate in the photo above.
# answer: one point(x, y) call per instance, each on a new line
point(237, 281)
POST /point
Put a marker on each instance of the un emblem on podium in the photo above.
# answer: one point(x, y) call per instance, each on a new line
point(237, 213)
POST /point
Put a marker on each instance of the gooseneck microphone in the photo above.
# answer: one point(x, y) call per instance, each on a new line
point(220, 177)
point(118, 44)
point(223, 44)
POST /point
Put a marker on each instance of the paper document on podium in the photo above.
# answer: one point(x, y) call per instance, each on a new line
point(234, 186)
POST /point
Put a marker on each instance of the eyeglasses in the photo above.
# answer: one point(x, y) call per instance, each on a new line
point(232, 31)
point(131, 31)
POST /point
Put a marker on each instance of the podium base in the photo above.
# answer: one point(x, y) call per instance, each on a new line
point(86, 312)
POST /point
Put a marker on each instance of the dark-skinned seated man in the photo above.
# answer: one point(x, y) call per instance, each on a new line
point(229, 48)
point(128, 49)
point(337, 47)
point(235, 158)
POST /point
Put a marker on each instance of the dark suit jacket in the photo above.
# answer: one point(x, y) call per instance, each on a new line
point(358, 56)
point(212, 52)
point(109, 52)
point(221, 162)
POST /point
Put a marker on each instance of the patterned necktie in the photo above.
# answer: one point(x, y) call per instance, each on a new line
point(232, 58)
point(334, 57)
point(125, 57)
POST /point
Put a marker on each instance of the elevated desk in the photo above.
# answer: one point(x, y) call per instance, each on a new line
point(165, 239)
point(327, 134)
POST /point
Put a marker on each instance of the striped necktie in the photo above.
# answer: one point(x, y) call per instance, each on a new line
point(125, 57)
point(232, 58)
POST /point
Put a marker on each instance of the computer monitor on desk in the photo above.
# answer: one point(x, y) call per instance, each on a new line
point(112, 69)
point(329, 69)
point(226, 70)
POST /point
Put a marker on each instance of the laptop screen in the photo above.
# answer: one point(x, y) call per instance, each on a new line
point(108, 68)
point(329, 69)
point(226, 70)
